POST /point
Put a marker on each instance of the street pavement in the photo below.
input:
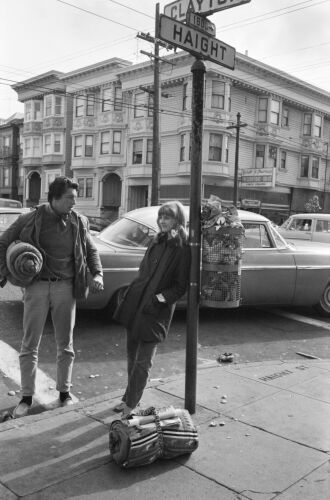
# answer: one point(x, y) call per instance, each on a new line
point(269, 437)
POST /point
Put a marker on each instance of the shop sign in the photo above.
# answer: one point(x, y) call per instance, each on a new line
point(250, 203)
point(257, 177)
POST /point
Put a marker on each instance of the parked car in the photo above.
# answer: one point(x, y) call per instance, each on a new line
point(309, 227)
point(8, 216)
point(7, 202)
point(274, 272)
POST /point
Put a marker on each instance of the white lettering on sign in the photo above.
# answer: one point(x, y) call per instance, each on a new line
point(178, 9)
point(196, 42)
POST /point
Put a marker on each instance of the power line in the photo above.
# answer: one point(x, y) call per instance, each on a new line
point(97, 15)
point(130, 8)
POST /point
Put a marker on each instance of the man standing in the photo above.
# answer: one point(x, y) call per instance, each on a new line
point(62, 236)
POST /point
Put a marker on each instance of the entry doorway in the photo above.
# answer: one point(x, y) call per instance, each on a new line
point(137, 197)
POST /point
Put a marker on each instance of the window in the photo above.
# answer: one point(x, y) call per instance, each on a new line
point(37, 110)
point(315, 167)
point(80, 106)
point(5, 171)
point(36, 146)
point(322, 226)
point(137, 151)
point(218, 95)
point(116, 142)
point(90, 105)
point(47, 144)
point(260, 156)
point(317, 126)
point(28, 111)
point(78, 141)
point(57, 143)
point(27, 147)
point(106, 101)
point(190, 145)
point(262, 110)
point(256, 236)
point(58, 105)
point(275, 112)
point(48, 105)
point(150, 105)
point(139, 105)
point(225, 148)
point(105, 143)
point(182, 148)
point(184, 96)
point(307, 128)
point(149, 151)
point(283, 160)
point(304, 166)
point(215, 148)
point(272, 156)
point(89, 145)
point(85, 187)
point(118, 99)
point(285, 117)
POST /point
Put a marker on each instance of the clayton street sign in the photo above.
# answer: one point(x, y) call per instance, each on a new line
point(196, 42)
point(179, 8)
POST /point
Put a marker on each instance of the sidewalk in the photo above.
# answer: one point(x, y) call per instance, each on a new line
point(273, 441)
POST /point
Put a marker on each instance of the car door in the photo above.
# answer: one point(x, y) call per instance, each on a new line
point(268, 267)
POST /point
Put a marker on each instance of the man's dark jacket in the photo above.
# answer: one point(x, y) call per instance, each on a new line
point(27, 228)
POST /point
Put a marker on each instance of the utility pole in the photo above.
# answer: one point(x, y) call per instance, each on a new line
point(198, 71)
point(237, 127)
point(156, 159)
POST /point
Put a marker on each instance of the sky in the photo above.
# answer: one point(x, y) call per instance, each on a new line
point(37, 36)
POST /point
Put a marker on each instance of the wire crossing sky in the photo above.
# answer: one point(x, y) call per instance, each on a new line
point(64, 35)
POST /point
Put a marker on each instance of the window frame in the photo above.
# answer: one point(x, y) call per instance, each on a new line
point(149, 151)
point(217, 96)
point(116, 142)
point(215, 150)
point(137, 154)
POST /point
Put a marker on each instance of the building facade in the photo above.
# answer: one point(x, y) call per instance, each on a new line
point(96, 124)
point(11, 158)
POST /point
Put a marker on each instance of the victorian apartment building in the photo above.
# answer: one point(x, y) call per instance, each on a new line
point(11, 158)
point(95, 124)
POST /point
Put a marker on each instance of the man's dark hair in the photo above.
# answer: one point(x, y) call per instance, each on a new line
point(59, 186)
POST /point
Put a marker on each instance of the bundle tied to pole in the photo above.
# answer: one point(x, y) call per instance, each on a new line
point(222, 249)
point(152, 434)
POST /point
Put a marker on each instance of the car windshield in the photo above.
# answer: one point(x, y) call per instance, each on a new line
point(127, 232)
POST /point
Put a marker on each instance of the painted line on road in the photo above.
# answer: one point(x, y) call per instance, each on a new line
point(301, 319)
point(9, 365)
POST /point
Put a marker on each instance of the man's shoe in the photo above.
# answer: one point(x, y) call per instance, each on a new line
point(120, 407)
point(21, 410)
point(67, 402)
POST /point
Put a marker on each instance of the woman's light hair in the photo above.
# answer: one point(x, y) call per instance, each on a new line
point(176, 210)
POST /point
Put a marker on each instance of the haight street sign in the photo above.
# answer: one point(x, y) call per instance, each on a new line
point(179, 8)
point(196, 42)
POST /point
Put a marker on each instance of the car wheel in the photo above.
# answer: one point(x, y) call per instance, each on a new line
point(323, 307)
point(114, 302)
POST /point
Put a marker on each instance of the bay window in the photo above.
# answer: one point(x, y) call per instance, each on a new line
point(118, 105)
point(85, 187)
point(47, 144)
point(218, 95)
point(149, 151)
point(116, 142)
point(57, 143)
point(58, 105)
point(215, 147)
point(260, 155)
point(105, 143)
point(182, 147)
point(89, 140)
point(78, 142)
point(275, 112)
point(106, 100)
point(48, 105)
point(262, 110)
point(90, 105)
point(317, 126)
point(137, 151)
point(307, 128)
point(138, 105)
point(80, 106)
point(309, 166)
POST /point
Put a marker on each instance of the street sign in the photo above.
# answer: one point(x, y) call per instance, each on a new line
point(200, 23)
point(179, 8)
point(196, 42)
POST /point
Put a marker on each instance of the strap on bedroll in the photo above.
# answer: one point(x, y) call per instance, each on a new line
point(152, 434)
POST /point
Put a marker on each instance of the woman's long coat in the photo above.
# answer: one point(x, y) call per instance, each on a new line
point(164, 269)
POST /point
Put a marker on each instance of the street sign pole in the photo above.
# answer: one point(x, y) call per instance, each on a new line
point(155, 175)
point(198, 70)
